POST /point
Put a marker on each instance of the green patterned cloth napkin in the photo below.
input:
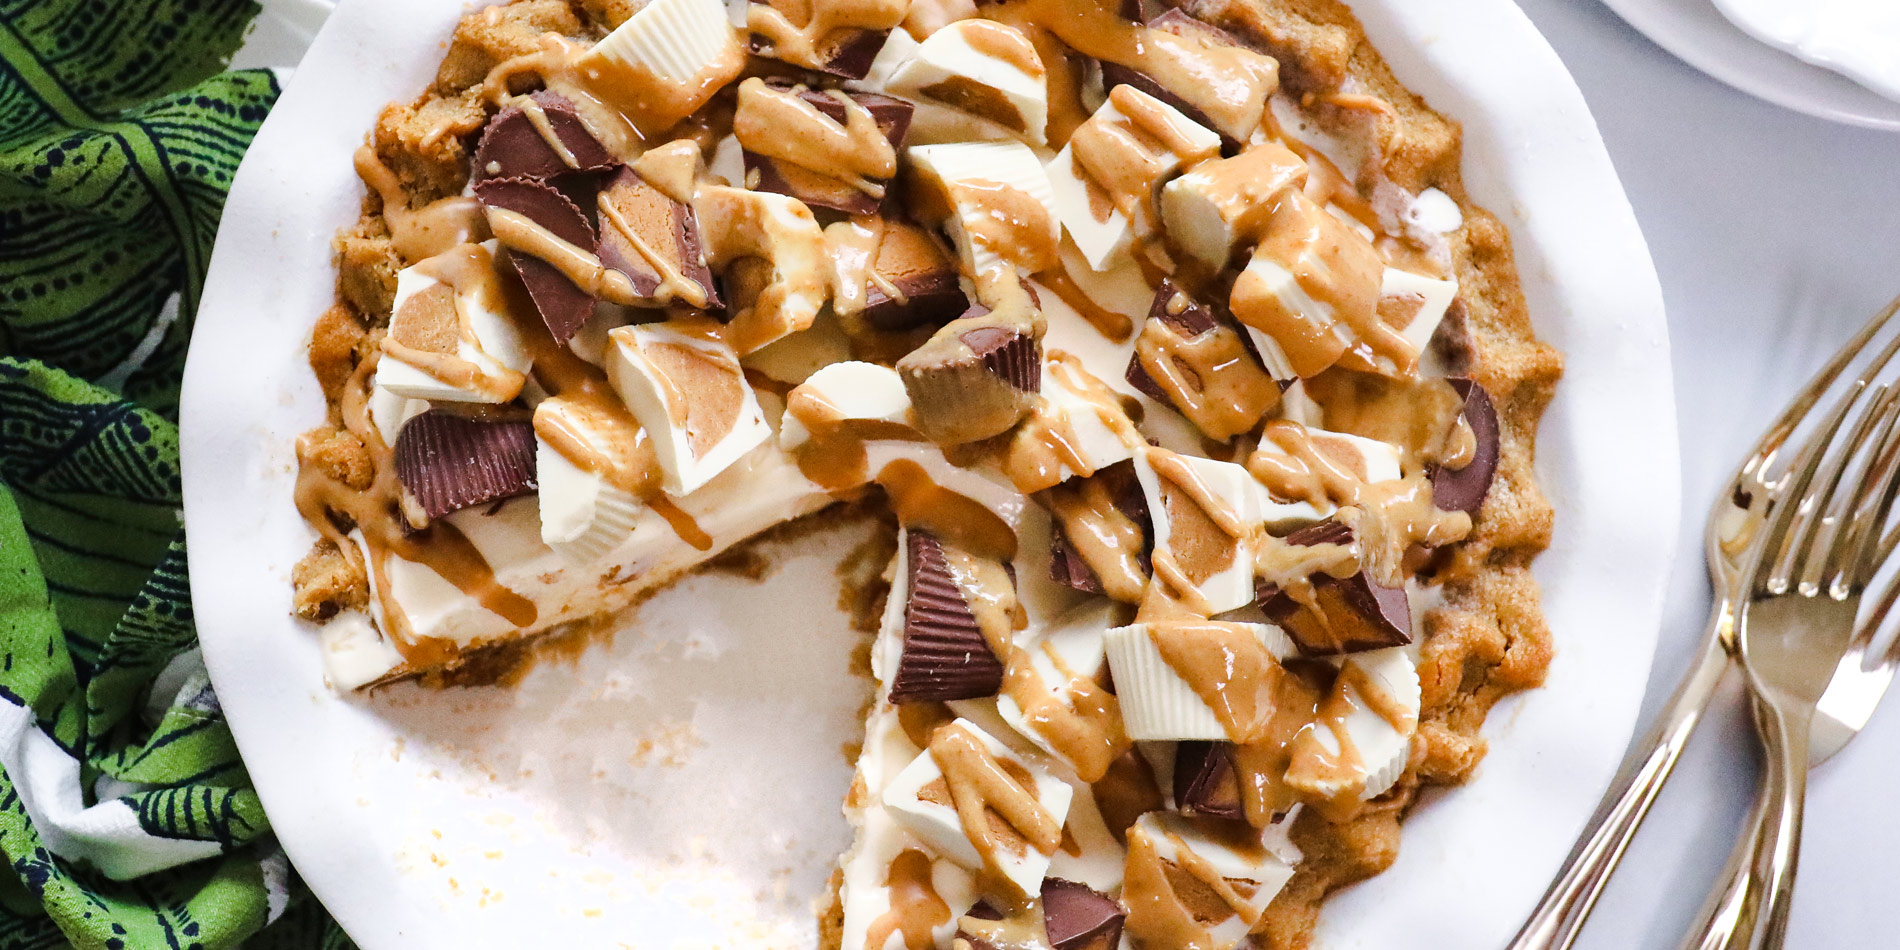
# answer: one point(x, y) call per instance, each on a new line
point(126, 817)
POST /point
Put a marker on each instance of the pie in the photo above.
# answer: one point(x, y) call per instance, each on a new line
point(1202, 400)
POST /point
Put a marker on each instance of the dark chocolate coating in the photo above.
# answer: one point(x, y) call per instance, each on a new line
point(448, 461)
point(945, 655)
point(515, 148)
point(564, 306)
point(1078, 917)
point(1463, 489)
point(813, 186)
point(1204, 780)
point(1353, 614)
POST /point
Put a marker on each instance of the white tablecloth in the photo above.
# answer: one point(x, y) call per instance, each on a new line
point(1775, 236)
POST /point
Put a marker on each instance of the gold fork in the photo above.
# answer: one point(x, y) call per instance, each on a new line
point(1734, 528)
point(1795, 622)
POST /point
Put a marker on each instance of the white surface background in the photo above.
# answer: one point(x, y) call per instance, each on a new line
point(1775, 236)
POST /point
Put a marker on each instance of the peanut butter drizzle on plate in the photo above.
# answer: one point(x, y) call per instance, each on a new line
point(779, 123)
point(999, 811)
point(916, 910)
point(424, 232)
point(376, 513)
point(798, 31)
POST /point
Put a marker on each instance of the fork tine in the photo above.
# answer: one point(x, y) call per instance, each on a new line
point(1817, 387)
point(1791, 498)
point(1829, 530)
point(1857, 563)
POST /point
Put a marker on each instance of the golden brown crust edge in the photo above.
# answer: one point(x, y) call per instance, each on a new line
point(1490, 638)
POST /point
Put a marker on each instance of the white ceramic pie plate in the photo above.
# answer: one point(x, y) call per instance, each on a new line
point(680, 788)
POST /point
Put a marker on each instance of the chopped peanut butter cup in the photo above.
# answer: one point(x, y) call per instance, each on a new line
point(1195, 358)
point(1078, 917)
point(1112, 512)
point(1204, 780)
point(1182, 25)
point(539, 136)
point(945, 655)
point(793, 159)
point(1187, 316)
point(914, 282)
point(1348, 615)
point(976, 377)
point(1463, 489)
point(655, 240)
point(845, 52)
point(564, 305)
point(447, 461)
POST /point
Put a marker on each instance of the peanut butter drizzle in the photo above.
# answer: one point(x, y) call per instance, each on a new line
point(651, 101)
point(467, 274)
point(1127, 156)
point(1423, 418)
point(680, 521)
point(1107, 540)
point(376, 512)
point(1116, 327)
point(1353, 690)
point(585, 421)
point(538, 117)
point(673, 285)
point(915, 909)
point(803, 32)
point(855, 245)
point(1210, 377)
point(779, 123)
point(1063, 77)
point(981, 787)
point(1007, 220)
point(736, 224)
point(1159, 915)
point(424, 232)
point(922, 503)
point(1229, 84)
point(1042, 452)
point(1302, 470)
point(1086, 729)
point(518, 232)
point(553, 64)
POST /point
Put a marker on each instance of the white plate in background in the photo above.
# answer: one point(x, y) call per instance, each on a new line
point(1701, 36)
point(680, 788)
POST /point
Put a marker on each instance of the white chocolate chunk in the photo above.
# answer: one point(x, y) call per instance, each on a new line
point(1404, 290)
point(1312, 284)
point(1073, 641)
point(1222, 584)
point(1217, 206)
point(1086, 416)
point(936, 823)
point(355, 653)
point(690, 396)
point(850, 391)
point(982, 67)
point(1351, 719)
point(485, 336)
point(583, 516)
point(989, 182)
point(1184, 844)
point(1094, 217)
point(1157, 704)
point(689, 46)
point(780, 233)
point(388, 411)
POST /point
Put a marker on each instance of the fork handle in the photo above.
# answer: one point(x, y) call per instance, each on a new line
point(1749, 909)
point(1559, 916)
